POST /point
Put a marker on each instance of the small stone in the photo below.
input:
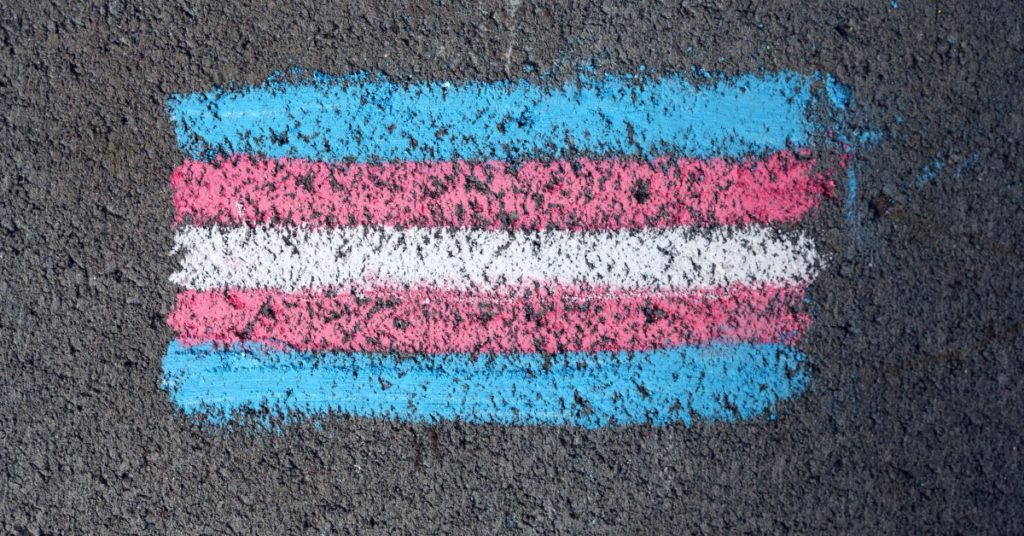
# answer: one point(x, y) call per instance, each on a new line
point(881, 205)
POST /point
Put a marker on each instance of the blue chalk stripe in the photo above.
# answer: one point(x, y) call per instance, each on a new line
point(352, 119)
point(718, 382)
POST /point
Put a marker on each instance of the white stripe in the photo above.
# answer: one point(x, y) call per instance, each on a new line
point(290, 258)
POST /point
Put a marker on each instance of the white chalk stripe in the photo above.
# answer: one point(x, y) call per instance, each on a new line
point(293, 258)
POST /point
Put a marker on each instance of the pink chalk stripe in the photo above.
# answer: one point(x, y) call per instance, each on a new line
point(433, 320)
point(579, 195)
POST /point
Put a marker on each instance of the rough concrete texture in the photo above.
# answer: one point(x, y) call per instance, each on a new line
point(913, 420)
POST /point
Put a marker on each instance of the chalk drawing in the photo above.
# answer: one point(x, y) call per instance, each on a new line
point(614, 250)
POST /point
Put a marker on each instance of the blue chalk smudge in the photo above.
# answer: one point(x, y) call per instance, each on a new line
point(968, 164)
point(869, 137)
point(353, 118)
point(934, 168)
point(838, 93)
point(850, 207)
point(841, 97)
point(720, 382)
point(930, 171)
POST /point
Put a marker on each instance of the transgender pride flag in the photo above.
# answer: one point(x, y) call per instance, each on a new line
point(609, 251)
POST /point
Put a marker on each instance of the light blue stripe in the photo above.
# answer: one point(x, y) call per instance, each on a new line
point(719, 382)
point(353, 119)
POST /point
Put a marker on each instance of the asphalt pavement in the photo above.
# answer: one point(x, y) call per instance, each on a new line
point(913, 417)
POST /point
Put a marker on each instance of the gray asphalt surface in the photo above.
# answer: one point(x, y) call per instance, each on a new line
point(913, 422)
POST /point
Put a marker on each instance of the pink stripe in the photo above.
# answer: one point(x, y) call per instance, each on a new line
point(431, 320)
point(580, 195)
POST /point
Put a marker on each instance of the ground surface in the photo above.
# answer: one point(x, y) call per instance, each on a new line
point(915, 415)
